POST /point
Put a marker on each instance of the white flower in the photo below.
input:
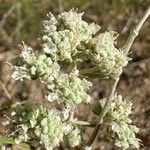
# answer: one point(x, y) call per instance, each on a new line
point(20, 73)
point(87, 148)
point(49, 126)
point(13, 113)
point(74, 137)
point(109, 59)
point(27, 53)
point(34, 66)
point(69, 89)
point(118, 118)
point(52, 97)
point(65, 33)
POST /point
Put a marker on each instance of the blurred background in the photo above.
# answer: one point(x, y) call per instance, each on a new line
point(21, 20)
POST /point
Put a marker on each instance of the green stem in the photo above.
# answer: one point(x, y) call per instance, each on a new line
point(104, 111)
point(6, 140)
point(93, 72)
point(80, 123)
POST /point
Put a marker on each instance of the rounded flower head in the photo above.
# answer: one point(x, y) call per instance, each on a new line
point(74, 137)
point(63, 34)
point(121, 129)
point(47, 127)
point(109, 59)
point(69, 89)
point(44, 69)
point(31, 65)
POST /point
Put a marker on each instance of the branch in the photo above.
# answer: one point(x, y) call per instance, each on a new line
point(134, 33)
point(5, 16)
point(115, 81)
point(5, 90)
point(104, 111)
point(80, 123)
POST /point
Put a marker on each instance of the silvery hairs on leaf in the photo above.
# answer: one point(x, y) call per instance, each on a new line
point(47, 127)
point(120, 125)
point(64, 33)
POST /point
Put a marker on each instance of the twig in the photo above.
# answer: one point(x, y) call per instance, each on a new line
point(60, 5)
point(104, 111)
point(126, 48)
point(134, 33)
point(2, 22)
point(5, 90)
point(80, 123)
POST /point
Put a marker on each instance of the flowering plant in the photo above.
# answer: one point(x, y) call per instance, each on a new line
point(69, 40)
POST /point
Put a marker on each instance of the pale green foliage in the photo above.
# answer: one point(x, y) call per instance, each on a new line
point(69, 88)
point(49, 128)
point(65, 33)
point(118, 118)
point(124, 135)
point(28, 122)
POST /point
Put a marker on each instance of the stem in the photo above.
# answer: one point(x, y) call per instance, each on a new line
point(5, 90)
point(5, 140)
point(104, 111)
point(93, 72)
point(80, 123)
point(115, 81)
point(134, 33)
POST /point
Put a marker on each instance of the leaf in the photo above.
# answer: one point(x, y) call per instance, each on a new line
point(6, 140)
point(97, 109)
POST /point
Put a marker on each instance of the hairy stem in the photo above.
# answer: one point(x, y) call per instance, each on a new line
point(115, 81)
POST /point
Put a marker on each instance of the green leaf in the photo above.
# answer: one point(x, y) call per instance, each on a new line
point(97, 109)
point(6, 140)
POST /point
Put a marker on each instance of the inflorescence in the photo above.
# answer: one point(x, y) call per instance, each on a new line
point(67, 39)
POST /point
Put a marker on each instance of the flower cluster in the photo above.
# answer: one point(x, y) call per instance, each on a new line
point(103, 53)
point(63, 35)
point(28, 122)
point(31, 65)
point(122, 130)
point(66, 40)
point(70, 89)
point(74, 137)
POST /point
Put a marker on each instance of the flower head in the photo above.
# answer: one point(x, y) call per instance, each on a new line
point(63, 35)
point(69, 89)
point(109, 59)
point(31, 65)
point(45, 126)
point(121, 129)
